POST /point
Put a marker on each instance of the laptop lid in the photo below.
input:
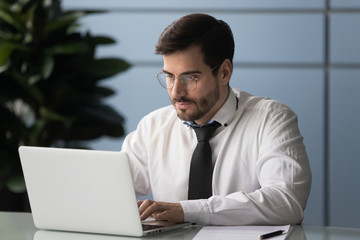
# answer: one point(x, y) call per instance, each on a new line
point(81, 190)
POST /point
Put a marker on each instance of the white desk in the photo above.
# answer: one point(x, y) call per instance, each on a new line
point(20, 226)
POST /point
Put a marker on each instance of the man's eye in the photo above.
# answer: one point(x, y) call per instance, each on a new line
point(190, 77)
point(169, 76)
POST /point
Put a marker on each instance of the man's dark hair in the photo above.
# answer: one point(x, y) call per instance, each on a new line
point(213, 36)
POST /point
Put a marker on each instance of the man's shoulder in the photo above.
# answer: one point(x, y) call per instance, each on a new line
point(260, 103)
point(161, 115)
point(161, 112)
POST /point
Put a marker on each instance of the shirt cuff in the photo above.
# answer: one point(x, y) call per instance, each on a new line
point(196, 211)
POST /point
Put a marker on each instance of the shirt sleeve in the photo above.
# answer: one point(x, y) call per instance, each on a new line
point(284, 177)
point(135, 145)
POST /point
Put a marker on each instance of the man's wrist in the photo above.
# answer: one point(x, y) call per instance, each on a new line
point(196, 211)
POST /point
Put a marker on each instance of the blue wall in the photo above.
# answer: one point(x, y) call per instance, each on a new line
point(305, 53)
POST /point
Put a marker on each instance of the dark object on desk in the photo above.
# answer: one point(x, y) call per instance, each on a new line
point(272, 234)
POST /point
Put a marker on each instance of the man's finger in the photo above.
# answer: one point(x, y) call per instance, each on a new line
point(148, 208)
point(139, 202)
point(171, 212)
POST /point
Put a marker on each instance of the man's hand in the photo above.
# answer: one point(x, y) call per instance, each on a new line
point(171, 212)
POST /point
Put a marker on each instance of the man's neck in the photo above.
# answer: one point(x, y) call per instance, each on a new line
point(223, 97)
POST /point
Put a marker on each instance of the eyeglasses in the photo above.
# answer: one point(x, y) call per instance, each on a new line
point(167, 80)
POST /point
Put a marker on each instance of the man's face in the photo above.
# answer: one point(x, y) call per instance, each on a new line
point(197, 105)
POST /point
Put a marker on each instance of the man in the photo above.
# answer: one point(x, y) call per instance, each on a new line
point(260, 170)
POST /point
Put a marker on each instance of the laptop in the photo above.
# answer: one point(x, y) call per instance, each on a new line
point(84, 191)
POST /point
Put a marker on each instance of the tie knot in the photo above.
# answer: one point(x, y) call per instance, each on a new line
point(205, 132)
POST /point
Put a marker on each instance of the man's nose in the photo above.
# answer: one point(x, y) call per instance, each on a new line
point(178, 90)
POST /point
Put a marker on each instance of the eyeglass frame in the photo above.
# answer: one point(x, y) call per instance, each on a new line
point(165, 85)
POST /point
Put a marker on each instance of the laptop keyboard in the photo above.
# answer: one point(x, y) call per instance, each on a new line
point(150, 227)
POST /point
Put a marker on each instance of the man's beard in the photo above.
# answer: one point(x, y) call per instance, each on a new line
point(203, 106)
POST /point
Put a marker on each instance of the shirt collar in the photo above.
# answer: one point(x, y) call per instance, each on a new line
point(225, 113)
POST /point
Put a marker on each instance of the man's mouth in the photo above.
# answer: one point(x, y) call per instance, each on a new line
point(181, 103)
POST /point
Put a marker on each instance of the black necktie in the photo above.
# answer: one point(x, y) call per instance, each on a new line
point(200, 178)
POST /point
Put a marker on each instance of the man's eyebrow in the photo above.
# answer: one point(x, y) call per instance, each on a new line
point(184, 73)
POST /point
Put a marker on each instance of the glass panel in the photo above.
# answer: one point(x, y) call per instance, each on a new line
point(278, 38)
point(344, 148)
point(345, 4)
point(345, 38)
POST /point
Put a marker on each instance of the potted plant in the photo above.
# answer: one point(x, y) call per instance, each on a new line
point(50, 92)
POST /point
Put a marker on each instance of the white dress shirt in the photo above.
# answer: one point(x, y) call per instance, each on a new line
point(261, 170)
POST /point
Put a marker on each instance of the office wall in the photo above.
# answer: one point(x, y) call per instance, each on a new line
point(305, 53)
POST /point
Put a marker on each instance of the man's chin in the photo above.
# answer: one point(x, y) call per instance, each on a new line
point(185, 116)
point(182, 115)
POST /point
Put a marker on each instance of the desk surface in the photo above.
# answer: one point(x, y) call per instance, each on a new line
point(20, 226)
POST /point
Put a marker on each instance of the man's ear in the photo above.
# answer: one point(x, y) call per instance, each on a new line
point(225, 72)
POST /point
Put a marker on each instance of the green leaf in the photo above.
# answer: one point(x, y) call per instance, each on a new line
point(9, 91)
point(4, 56)
point(12, 46)
point(16, 184)
point(103, 112)
point(27, 6)
point(6, 48)
point(103, 40)
point(32, 79)
point(103, 92)
point(72, 28)
point(11, 19)
point(64, 21)
point(107, 67)
point(24, 82)
point(96, 120)
point(50, 115)
point(92, 128)
point(7, 161)
point(69, 48)
point(35, 131)
point(12, 125)
point(48, 66)
point(4, 67)
point(4, 5)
